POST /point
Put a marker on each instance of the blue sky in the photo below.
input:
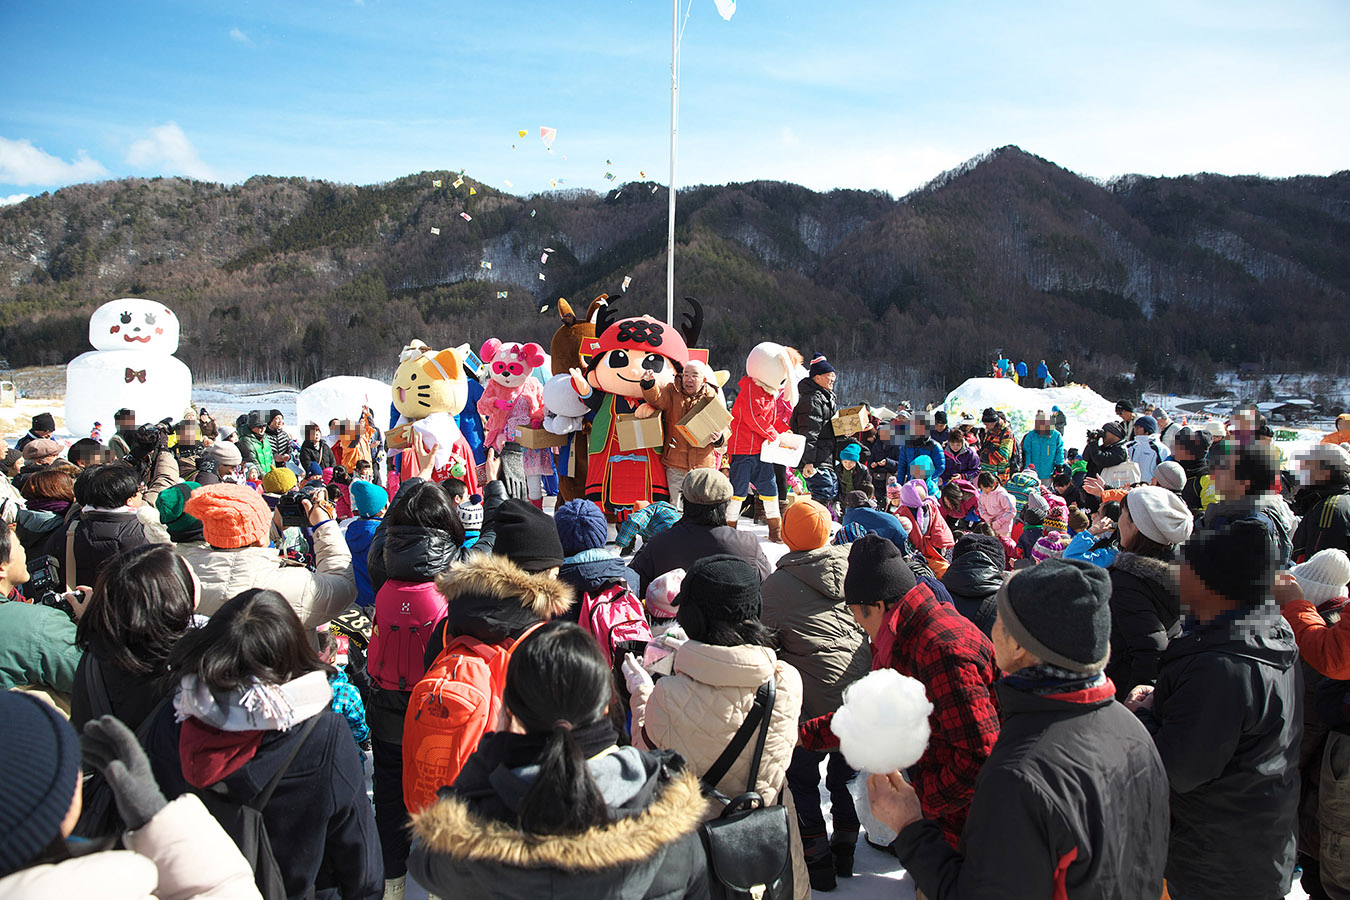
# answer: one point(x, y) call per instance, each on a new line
point(867, 94)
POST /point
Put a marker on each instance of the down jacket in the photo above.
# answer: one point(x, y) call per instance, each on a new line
point(697, 709)
point(974, 577)
point(100, 534)
point(674, 405)
point(812, 418)
point(315, 596)
point(804, 602)
point(1145, 616)
point(181, 853)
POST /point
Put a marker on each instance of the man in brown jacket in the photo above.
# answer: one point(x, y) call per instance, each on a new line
point(675, 399)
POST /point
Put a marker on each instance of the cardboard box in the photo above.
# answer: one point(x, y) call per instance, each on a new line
point(399, 438)
point(786, 451)
point(638, 434)
point(705, 421)
point(539, 439)
point(850, 420)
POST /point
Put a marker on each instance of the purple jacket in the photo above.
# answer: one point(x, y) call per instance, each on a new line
point(965, 464)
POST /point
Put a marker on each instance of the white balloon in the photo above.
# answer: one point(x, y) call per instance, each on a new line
point(100, 382)
point(134, 324)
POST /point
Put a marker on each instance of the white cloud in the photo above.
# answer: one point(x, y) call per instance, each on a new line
point(12, 199)
point(237, 34)
point(22, 163)
point(168, 150)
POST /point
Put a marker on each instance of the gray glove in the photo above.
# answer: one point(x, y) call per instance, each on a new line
point(111, 748)
point(513, 471)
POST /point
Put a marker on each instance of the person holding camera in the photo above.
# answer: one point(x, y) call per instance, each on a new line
point(37, 640)
point(236, 523)
point(1104, 448)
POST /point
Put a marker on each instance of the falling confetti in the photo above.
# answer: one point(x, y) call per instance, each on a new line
point(485, 265)
point(522, 133)
point(618, 194)
point(435, 230)
point(548, 136)
point(654, 187)
point(541, 277)
point(544, 308)
point(627, 280)
point(553, 183)
point(543, 258)
point(508, 183)
point(549, 250)
point(472, 191)
point(459, 182)
point(531, 214)
point(609, 162)
point(501, 295)
point(609, 176)
point(436, 183)
point(727, 8)
point(466, 217)
point(642, 175)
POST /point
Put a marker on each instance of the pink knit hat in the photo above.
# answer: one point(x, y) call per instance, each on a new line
point(1050, 546)
point(663, 594)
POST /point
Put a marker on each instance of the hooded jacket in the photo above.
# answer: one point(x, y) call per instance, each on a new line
point(419, 555)
point(754, 418)
point(360, 533)
point(1268, 509)
point(317, 452)
point(1043, 451)
point(1198, 491)
point(804, 602)
point(697, 709)
point(906, 453)
point(1100, 456)
point(963, 464)
point(1145, 616)
point(592, 572)
point(812, 418)
point(1227, 719)
point(974, 577)
point(468, 845)
point(253, 448)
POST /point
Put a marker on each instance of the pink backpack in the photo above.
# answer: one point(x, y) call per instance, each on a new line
point(617, 621)
point(405, 613)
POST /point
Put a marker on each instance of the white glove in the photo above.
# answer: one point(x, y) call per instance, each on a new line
point(674, 639)
point(634, 676)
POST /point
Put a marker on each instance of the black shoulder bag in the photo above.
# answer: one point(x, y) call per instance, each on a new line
point(748, 845)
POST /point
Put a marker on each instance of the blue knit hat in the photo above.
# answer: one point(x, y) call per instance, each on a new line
point(581, 526)
point(39, 765)
point(852, 452)
point(368, 498)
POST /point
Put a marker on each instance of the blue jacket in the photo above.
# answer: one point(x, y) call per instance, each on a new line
point(874, 521)
point(1022, 370)
point(360, 532)
point(1042, 371)
point(906, 453)
point(1043, 451)
point(471, 425)
point(1080, 547)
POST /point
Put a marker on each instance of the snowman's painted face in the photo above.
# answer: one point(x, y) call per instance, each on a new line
point(134, 324)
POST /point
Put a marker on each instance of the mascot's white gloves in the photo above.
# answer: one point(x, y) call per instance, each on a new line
point(634, 676)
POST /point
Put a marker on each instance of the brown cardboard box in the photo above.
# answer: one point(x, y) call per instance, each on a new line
point(399, 438)
point(539, 439)
point(705, 421)
point(850, 420)
point(638, 434)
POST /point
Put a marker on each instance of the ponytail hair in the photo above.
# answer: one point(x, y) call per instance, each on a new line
point(558, 681)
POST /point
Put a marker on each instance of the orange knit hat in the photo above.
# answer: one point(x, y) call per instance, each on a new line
point(806, 526)
point(231, 515)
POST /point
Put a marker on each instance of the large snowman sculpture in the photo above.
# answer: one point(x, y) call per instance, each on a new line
point(131, 366)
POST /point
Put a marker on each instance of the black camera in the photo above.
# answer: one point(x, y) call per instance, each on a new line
point(1095, 435)
point(44, 586)
point(293, 515)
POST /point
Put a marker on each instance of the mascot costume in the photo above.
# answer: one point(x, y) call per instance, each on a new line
point(628, 351)
point(430, 389)
point(758, 416)
point(565, 355)
point(512, 399)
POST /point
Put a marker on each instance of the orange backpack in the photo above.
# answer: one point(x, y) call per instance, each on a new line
point(455, 703)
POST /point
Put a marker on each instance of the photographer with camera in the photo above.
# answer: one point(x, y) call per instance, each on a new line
point(37, 640)
point(236, 523)
point(113, 518)
point(1104, 448)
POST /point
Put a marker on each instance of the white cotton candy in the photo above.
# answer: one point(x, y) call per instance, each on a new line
point(883, 724)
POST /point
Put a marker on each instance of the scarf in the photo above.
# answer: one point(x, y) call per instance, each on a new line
point(258, 707)
point(525, 749)
point(1044, 680)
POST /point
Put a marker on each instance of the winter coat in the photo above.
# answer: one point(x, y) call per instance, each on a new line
point(1070, 804)
point(912, 449)
point(468, 845)
point(37, 647)
point(1227, 719)
point(1268, 509)
point(1325, 523)
point(129, 697)
point(315, 596)
point(319, 453)
point(996, 451)
point(697, 709)
point(876, 459)
point(998, 508)
point(803, 600)
point(754, 418)
point(359, 534)
point(180, 854)
point(101, 534)
point(964, 464)
point(1043, 452)
point(1149, 453)
point(1324, 647)
point(936, 541)
point(282, 442)
point(592, 572)
point(421, 554)
point(321, 823)
point(1100, 457)
point(256, 450)
point(874, 521)
point(1080, 547)
point(852, 479)
point(812, 418)
point(684, 543)
point(674, 405)
point(974, 577)
point(1145, 616)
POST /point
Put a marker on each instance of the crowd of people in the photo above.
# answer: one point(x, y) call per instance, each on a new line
point(242, 664)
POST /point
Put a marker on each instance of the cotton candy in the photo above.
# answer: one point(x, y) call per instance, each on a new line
point(883, 724)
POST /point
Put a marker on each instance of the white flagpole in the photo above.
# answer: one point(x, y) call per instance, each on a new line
point(674, 120)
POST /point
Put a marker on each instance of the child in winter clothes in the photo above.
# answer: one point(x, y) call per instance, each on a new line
point(996, 505)
point(369, 502)
point(1096, 544)
point(1032, 517)
point(921, 517)
point(346, 698)
point(962, 459)
point(851, 471)
point(960, 502)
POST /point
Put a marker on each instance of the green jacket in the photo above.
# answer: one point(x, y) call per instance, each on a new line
point(257, 450)
point(37, 647)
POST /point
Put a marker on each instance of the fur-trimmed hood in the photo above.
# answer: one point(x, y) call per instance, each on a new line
point(1144, 567)
point(492, 599)
point(449, 828)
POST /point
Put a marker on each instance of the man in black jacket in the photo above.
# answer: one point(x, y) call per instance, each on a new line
point(109, 523)
point(812, 419)
point(1227, 717)
point(1073, 800)
point(1324, 504)
point(1105, 449)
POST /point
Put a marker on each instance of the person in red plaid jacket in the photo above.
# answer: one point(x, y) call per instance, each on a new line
point(918, 635)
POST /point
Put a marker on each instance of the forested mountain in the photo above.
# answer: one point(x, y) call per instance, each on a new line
point(296, 279)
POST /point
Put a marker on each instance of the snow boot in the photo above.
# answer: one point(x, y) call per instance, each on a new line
point(776, 529)
point(842, 848)
point(819, 862)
